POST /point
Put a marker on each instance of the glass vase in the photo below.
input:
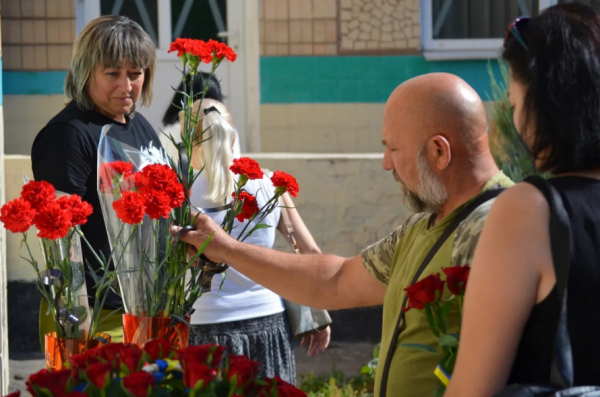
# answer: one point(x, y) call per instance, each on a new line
point(59, 350)
point(140, 329)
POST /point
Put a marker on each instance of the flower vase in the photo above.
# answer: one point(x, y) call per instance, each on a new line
point(59, 350)
point(140, 329)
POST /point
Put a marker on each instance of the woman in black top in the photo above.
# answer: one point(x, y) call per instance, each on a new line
point(511, 304)
point(112, 67)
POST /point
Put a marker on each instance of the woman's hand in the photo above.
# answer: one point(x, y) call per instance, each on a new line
point(205, 228)
point(318, 341)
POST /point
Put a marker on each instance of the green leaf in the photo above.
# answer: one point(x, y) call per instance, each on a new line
point(257, 227)
point(448, 340)
point(420, 346)
point(376, 350)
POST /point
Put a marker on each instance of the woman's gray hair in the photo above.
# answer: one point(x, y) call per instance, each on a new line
point(108, 41)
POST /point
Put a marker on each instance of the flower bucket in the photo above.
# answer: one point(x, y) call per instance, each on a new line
point(140, 329)
point(59, 350)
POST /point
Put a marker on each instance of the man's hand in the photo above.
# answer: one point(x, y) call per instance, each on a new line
point(318, 341)
point(205, 228)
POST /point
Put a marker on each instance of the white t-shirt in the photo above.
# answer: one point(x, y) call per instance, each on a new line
point(239, 298)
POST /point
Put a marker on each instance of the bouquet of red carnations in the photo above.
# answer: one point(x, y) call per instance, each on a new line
point(61, 280)
point(156, 369)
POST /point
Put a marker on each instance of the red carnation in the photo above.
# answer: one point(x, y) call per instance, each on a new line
point(157, 349)
point(130, 207)
point(249, 206)
point(77, 394)
point(247, 167)
point(139, 383)
point(179, 45)
point(98, 374)
point(80, 210)
point(285, 183)
point(456, 278)
point(14, 394)
point(38, 194)
point(424, 291)
point(197, 375)
point(53, 222)
point(222, 50)
point(157, 205)
point(242, 368)
point(17, 215)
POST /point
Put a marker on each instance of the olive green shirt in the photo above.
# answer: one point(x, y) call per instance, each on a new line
point(394, 261)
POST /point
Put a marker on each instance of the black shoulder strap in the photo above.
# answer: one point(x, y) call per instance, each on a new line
point(484, 197)
point(561, 370)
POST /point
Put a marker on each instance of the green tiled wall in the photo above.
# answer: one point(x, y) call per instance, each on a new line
point(343, 79)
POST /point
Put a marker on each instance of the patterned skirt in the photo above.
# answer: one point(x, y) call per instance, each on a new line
point(266, 340)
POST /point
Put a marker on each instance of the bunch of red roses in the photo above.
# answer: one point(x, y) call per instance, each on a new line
point(426, 295)
point(39, 206)
point(154, 191)
point(194, 51)
point(156, 369)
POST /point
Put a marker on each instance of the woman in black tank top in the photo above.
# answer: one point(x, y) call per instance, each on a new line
point(511, 306)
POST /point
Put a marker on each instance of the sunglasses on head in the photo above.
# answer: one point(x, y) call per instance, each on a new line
point(514, 29)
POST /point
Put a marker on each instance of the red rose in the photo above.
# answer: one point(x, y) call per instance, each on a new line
point(110, 353)
point(157, 348)
point(130, 207)
point(38, 194)
point(53, 222)
point(456, 278)
point(249, 206)
point(281, 387)
point(206, 354)
point(131, 358)
point(242, 368)
point(139, 383)
point(77, 394)
point(285, 183)
point(17, 215)
point(157, 205)
point(79, 363)
point(80, 210)
point(99, 374)
point(14, 394)
point(54, 381)
point(197, 375)
point(424, 291)
point(247, 167)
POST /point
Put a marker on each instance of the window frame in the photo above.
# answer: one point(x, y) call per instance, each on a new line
point(447, 49)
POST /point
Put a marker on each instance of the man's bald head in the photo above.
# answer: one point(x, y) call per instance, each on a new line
point(435, 135)
point(437, 104)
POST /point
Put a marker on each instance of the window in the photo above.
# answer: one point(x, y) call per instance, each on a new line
point(460, 29)
point(166, 20)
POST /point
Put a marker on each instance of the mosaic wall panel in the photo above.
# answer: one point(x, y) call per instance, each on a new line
point(37, 34)
point(379, 26)
point(298, 27)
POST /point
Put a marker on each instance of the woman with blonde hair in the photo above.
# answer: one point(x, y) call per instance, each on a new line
point(112, 67)
point(238, 313)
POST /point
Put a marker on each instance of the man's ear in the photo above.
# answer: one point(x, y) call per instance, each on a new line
point(439, 152)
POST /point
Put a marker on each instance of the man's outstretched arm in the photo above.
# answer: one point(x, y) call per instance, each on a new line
point(321, 281)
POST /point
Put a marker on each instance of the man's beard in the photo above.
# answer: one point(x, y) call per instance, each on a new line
point(431, 194)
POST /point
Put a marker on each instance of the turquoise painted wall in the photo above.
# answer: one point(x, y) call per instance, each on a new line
point(335, 79)
point(344, 79)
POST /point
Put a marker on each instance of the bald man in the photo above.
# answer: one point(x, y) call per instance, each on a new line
point(436, 146)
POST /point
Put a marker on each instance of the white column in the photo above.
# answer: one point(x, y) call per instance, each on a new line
point(244, 82)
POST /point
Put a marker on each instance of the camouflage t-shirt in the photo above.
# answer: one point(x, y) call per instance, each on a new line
point(394, 261)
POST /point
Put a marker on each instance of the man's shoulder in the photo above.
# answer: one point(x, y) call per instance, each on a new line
point(467, 234)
